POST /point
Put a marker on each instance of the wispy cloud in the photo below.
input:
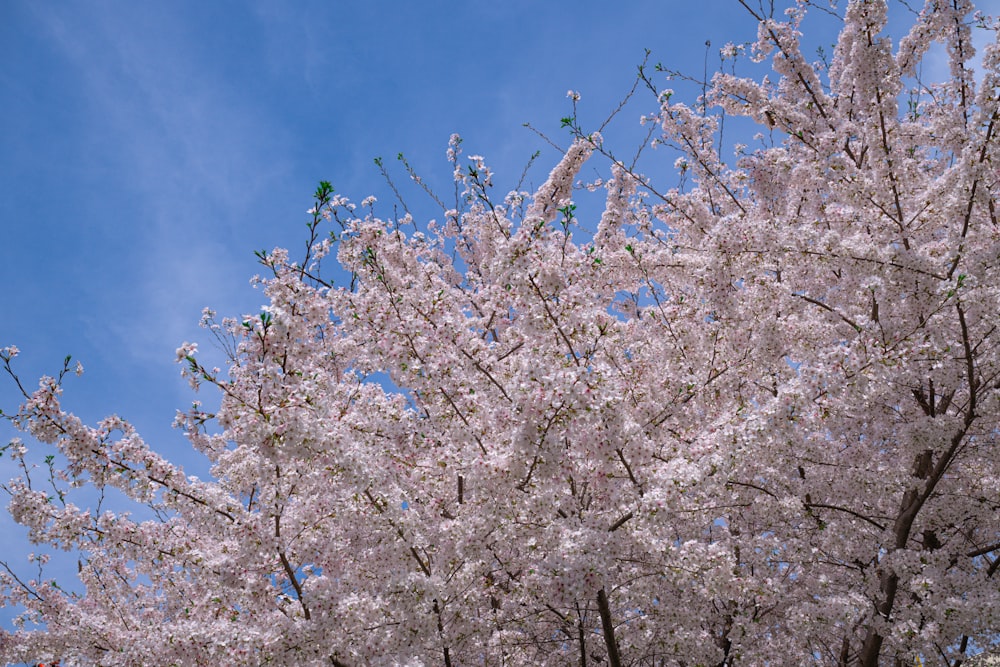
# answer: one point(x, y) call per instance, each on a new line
point(194, 156)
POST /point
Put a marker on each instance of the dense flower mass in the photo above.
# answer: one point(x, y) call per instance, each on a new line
point(751, 420)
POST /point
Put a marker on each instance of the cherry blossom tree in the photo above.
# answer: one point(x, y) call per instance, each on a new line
point(748, 420)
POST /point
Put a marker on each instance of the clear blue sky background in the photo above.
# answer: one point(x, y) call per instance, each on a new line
point(147, 149)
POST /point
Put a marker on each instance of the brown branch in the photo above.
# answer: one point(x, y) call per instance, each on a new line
point(837, 508)
point(545, 304)
point(510, 351)
point(620, 522)
point(440, 624)
point(489, 375)
point(289, 570)
point(836, 312)
point(983, 551)
point(482, 448)
point(424, 566)
point(609, 629)
point(628, 468)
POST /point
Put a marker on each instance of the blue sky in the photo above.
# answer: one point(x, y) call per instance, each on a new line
point(147, 149)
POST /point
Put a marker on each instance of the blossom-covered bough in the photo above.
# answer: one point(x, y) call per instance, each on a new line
point(750, 421)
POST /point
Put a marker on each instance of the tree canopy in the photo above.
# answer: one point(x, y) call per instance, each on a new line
point(748, 420)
